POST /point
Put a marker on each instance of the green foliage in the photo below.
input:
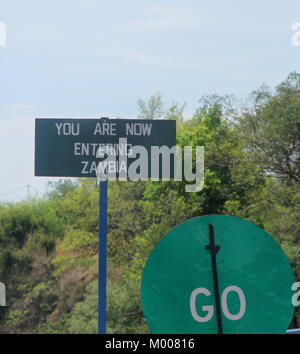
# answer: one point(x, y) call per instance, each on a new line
point(85, 312)
point(78, 248)
point(272, 129)
point(16, 223)
point(124, 309)
point(77, 206)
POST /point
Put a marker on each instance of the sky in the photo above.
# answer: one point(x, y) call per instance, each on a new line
point(93, 58)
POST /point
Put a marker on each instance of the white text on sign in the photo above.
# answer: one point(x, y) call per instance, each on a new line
point(105, 129)
point(210, 309)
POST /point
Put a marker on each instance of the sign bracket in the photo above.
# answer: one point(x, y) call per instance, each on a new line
point(214, 249)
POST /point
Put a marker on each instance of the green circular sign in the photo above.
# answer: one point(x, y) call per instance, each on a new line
point(217, 274)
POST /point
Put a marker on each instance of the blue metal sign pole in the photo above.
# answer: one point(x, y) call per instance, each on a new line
point(102, 257)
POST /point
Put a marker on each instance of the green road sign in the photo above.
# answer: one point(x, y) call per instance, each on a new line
point(224, 256)
point(68, 147)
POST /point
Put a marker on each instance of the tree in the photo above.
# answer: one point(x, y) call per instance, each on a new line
point(272, 129)
point(153, 109)
point(227, 177)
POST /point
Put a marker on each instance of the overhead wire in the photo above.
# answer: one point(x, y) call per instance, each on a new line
point(13, 191)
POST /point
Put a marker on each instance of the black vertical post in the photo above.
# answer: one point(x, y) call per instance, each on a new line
point(213, 252)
